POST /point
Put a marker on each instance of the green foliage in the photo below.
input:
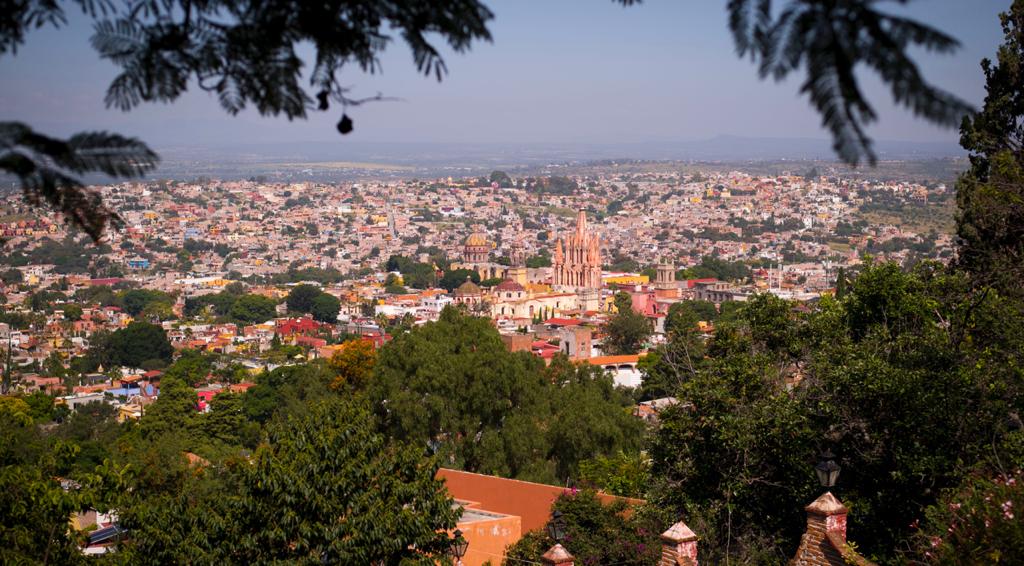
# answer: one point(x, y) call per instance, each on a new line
point(191, 367)
point(73, 312)
point(502, 178)
point(325, 487)
point(594, 534)
point(627, 329)
point(669, 364)
point(287, 389)
point(134, 344)
point(537, 261)
point(41, 407)
point(34, 521)
point(910, 378)
point(555, 184)
point(452, 386)
point(416, 275)
point(251, 309)
point(623, 474)
point(219, 303)
point(453, 278)
point(300, 298)
point(713, 267)
point(325, 308)
point(990, 195)
point(685, 314)
point(11, 277)
point(173, 412)
point(976, 523)
point(322, 276)
point(225, 426)
point(591, 417)
point(137, 301)
point(43, 300)
point(93, 429)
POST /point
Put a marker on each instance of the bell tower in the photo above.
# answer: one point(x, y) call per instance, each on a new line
point(665, 285)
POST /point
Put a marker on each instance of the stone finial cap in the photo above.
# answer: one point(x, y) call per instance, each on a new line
point(827, 505)
point(677, 533)
point(557, 555)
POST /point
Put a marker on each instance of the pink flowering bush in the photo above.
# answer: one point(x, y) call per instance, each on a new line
point(977, 523)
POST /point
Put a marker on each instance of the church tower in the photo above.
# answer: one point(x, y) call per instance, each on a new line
point(517, 255)
point(577, 261)
point(665, 285)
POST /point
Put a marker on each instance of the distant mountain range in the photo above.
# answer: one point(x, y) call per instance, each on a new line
point(348, 159)
point(486, 156)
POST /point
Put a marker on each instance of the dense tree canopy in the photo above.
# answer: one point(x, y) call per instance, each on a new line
point(35, 507)
point(453, 386)
point(136, 343)
point(627, 330)
point(991, 194)
point(595, 533)
point(325, 308)
point(323, 488)
point(300, 298)
point(900, 354)
point(253, 308)
point(455, 277)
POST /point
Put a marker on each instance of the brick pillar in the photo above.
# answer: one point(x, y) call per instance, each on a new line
point(557, 556)
point(824, 540)
point(678, 546)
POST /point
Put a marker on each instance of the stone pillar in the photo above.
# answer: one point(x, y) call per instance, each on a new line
point(557, 556)
point(678, 546)
point(824, 541)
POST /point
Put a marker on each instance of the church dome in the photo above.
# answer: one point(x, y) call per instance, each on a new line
point(467, 288)
point(476, 239)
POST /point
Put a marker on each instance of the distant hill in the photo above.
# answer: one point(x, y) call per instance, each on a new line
point(347, 159)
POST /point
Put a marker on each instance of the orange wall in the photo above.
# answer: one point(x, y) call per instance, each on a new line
point(527, 500)
point(488, 539)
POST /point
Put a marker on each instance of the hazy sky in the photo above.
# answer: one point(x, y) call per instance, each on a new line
point(557, 71)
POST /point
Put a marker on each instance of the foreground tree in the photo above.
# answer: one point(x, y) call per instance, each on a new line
point(990, 195)
point(595, 533)
point(911, 378)
point(324, 488)
point(34, 506)
point(454, 387)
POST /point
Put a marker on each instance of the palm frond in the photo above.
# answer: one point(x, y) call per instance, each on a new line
point(47, 169)
point(118, 40)
point(749, 21)
point(829, 39)
point(905, 81)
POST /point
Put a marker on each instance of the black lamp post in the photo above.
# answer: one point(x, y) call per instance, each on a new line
point(827, 470)
point(459, 546)
point(556, 527)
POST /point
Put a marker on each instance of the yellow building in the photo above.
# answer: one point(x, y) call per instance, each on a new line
point(627, 279)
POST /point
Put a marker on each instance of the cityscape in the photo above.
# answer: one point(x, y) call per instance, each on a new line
point(548, 316)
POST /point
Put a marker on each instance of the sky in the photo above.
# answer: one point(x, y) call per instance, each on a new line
point(557, 71)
